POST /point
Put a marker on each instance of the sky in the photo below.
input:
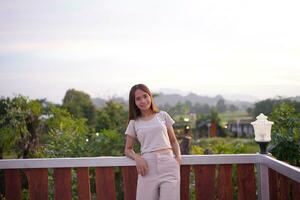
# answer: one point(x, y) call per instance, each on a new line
point(233, 47)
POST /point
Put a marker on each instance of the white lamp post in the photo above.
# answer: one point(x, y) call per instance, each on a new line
point(262, 131)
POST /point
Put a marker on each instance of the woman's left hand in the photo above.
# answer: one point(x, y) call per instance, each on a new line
point(178, 159)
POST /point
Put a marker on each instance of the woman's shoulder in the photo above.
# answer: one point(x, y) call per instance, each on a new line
point(162, 112)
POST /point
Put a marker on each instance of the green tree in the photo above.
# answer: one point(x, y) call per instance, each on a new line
point(107, 143)
point(268, 105)
point(20, 127)
point(286, 133)
point(80, 105)
point(199, 108)
point(178, 109)
point(112, 116)
point(265, 106)
point(214, 115)
point(67, 136)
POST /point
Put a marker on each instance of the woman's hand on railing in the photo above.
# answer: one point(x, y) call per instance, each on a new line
point(178, 159)
point(141, 166)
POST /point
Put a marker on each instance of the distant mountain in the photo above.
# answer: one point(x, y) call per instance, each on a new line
point(240, 97)
point(227, 96)
point(173, 99)
point(296, 98)
point(99, 102)
point(162, 99)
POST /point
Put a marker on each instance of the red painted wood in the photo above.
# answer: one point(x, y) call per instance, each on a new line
point(273, 184)
point(105, 183)
point(295, 190)
point(213, 129)
point(283, 187)
point(129, 175)
point(205, 181)
point(185, 182)
point(224, 183)
point(83, 183)
point(246, 182)
point(13, 189)
point(63, 183)
point(37, 183)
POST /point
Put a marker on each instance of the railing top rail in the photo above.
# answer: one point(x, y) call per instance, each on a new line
point(107, 161)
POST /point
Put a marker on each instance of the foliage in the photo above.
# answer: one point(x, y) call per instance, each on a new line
point(237, 115)
point(106, 143)
point(268, 105)
point(196, 150)
point(112, 116)
point(67, 136)
point(20, 127)
point(214, 115)
point(80, 105)
point(285, 143)
point(70, 137)
point(227, 145)
point(179, 108)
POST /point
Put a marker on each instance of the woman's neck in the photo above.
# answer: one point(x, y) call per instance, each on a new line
point(146, 113)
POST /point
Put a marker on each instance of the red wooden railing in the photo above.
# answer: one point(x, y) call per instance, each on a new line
point(212, 181)
point(283, 187)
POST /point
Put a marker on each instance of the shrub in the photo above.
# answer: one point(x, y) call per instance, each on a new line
point(285, 143)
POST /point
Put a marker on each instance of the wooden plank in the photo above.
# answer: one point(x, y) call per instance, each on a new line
point(205, 181)
point(295, 190)
point(13, 186)
point(246, 182)
point(63, 183)
point(283, 187)
point(129, 175)
point(224, 183)
point(37, 183)
point(83, 183)
point(273, 184)
point(105, 183)
point(185, 182)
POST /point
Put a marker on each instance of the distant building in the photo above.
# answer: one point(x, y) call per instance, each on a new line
point(240, 128)
point(208, 129)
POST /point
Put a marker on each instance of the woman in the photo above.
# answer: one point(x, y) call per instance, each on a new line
point(158, 166)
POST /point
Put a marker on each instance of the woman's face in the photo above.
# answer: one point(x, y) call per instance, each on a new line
point(142, 100)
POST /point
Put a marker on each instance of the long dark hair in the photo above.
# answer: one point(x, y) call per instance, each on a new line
point(134, 112)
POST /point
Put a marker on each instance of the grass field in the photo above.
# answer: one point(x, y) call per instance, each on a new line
point(239, 115)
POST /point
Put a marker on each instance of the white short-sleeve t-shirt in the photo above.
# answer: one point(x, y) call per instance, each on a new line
point(152, 134)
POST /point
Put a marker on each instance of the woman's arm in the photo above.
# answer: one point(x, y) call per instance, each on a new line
point(174, 143)
point(129, 148)
point(141, 164)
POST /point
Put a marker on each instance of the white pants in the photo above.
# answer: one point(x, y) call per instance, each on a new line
point(163, 179)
